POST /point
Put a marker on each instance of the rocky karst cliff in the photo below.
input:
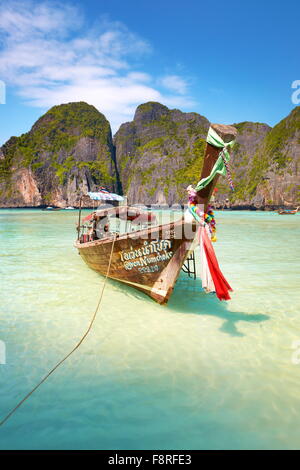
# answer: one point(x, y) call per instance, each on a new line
point(249, 139)
point(67, 152)
point(272, 175)
point(159, 153)
point(70, 150)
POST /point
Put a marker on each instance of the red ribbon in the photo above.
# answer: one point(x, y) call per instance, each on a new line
point(221, 285)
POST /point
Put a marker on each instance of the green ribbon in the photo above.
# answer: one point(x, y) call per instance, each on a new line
point(219, 167)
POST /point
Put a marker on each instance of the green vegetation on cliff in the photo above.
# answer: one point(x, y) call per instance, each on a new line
point(160, 153)
point(60, 128)
point(156, 156)
point(70, 141)
point(276, 147)
point(275, 156)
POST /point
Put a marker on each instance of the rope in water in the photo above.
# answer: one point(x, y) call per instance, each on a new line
point(72, 351)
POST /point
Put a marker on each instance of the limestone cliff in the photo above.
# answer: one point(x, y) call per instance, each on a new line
point(152, 159)
point(249, 140)
point(67, 152)
point(159, 153)
point(272, 176)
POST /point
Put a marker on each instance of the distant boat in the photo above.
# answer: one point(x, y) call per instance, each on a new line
point(287, 211)
point(69, 208)
point(50, 208)
point(149, 256)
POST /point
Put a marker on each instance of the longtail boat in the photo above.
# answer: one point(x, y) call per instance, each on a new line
point(148, 255)
point(287, 211)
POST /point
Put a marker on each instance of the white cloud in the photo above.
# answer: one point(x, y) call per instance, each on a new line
point(18, 20)
point(52, 56)
point(174, 83)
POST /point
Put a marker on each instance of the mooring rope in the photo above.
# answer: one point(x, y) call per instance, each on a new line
point(72, 351)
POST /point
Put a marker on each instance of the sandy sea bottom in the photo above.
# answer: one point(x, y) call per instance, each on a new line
point(195, 374)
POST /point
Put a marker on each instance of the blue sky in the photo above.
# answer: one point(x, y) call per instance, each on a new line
point(229, 61)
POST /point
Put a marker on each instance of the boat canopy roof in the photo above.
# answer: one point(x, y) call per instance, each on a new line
point(136, 216)
point(104, 195)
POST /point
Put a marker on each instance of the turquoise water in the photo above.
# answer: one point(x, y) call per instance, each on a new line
point(196, 374)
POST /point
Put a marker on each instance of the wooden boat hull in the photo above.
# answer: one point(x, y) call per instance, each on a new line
point(149, 260)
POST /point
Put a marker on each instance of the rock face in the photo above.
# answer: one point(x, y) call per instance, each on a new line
point(159, 153)
point(67, 152)
point(152, 159)
point(273, 175)
point(249, 140)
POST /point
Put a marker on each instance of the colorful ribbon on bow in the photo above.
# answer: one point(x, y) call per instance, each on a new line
point(221, 165)
point(211, 274)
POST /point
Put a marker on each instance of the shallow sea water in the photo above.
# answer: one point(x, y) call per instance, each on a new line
point(195, 374)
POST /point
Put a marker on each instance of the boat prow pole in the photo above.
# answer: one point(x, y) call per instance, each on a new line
point(227, 134)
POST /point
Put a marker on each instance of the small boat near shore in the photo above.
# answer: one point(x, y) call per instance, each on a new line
point(50, 208)
point(148, 255)
point(287, 211)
